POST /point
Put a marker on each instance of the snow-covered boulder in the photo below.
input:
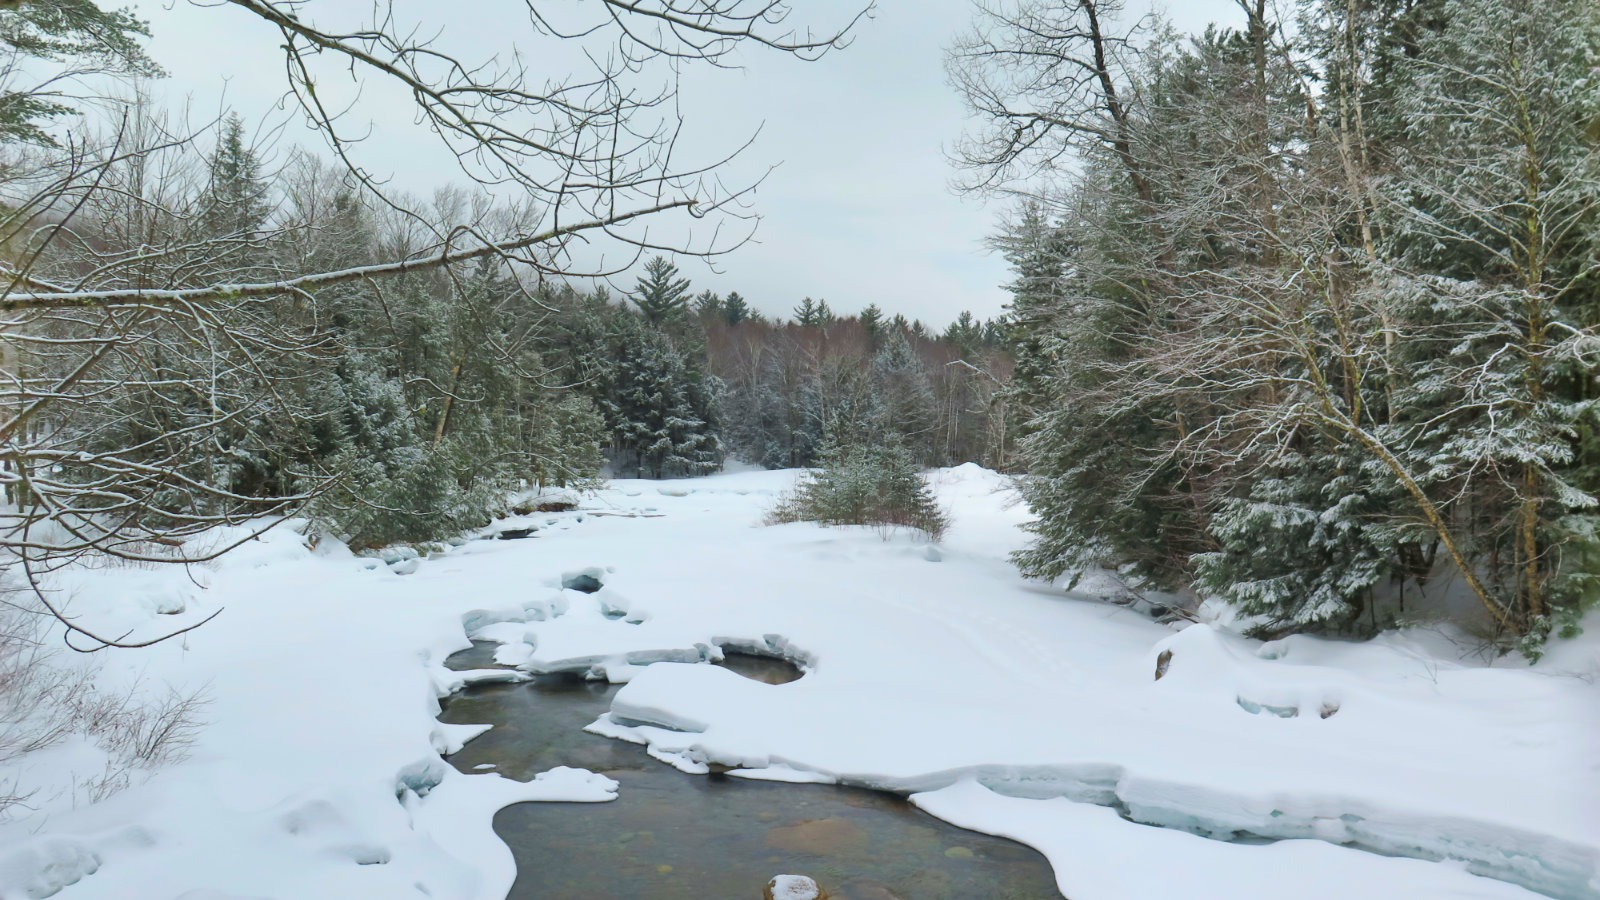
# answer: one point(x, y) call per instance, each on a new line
point(793, 887)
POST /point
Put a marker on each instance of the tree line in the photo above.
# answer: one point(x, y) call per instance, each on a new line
point(1305, 310)
point(685, 380)
point(196, 332)
point(408, 410)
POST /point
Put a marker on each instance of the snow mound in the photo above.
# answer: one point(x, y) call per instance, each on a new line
point(566, 784)
point(43, 866)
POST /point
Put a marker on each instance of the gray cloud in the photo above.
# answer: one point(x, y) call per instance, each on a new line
point(856, 211)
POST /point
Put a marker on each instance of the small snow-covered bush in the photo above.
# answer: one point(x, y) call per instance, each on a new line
point(864, 484)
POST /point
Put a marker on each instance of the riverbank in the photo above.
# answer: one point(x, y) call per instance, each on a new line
point(933, 671)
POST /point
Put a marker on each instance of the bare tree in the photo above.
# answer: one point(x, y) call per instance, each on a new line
point(117, 282)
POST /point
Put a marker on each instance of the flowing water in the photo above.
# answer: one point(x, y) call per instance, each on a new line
point(671, 836)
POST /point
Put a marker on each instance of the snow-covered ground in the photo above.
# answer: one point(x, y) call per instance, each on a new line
point(1000, 705)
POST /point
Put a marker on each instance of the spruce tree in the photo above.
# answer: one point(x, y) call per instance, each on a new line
point(658, 407)
point(236, 204)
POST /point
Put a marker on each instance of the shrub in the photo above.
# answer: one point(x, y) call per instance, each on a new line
point(45, 700)
point(864, 485)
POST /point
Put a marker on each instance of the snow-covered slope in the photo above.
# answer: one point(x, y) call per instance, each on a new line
point(1006, 706)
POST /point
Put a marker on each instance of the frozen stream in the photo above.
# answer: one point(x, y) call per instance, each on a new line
point(671, 835)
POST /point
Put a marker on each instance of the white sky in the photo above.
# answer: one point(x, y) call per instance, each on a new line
point(857, 211)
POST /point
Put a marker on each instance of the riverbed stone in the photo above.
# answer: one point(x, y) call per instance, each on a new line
point(831, 836)
point(793, 887)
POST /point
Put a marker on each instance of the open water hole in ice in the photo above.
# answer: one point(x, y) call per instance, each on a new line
point(671, 836)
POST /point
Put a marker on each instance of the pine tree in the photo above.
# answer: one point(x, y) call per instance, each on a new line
point(708, 306)
point(660, 294)
point(872, 321)
point(864, 482)
point(964, 334)
point(71, 35)
point(735, 309)
point(808, 313)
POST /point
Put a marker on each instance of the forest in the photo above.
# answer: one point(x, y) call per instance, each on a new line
point(1303, 315)
point(409, 410)
point(1305, 312)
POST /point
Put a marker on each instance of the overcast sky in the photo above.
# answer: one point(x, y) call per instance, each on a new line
point(857, 211)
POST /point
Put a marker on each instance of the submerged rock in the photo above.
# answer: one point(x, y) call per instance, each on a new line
point(831, 836)
point(793, 887)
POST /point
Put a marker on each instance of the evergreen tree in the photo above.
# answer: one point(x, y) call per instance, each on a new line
point(658, 412)
point(872, 321)
point(1038, 252)
point(996, 331)
point(660, 294)
point(965, 335)
point(735, 309)
point(1299, 341)
point(1490, 262)
point(864, 483)
point(808, 313)
point(903, 389)
point(237, 201)
point(70, 35)
point(708, 306)
point(658, 407)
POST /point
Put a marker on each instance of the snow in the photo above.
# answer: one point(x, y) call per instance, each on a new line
point(1096, 853)
point(1005, 706)
point(792, 887)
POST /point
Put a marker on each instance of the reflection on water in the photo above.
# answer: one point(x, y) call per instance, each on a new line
point(671, 836)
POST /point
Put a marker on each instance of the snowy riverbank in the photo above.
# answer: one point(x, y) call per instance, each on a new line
point(1002, 705)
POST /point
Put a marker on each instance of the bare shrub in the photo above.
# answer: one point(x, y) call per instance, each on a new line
point(45, 700)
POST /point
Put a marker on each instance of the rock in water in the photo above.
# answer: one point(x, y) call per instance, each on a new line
point(793, 887)
point(586, 580)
